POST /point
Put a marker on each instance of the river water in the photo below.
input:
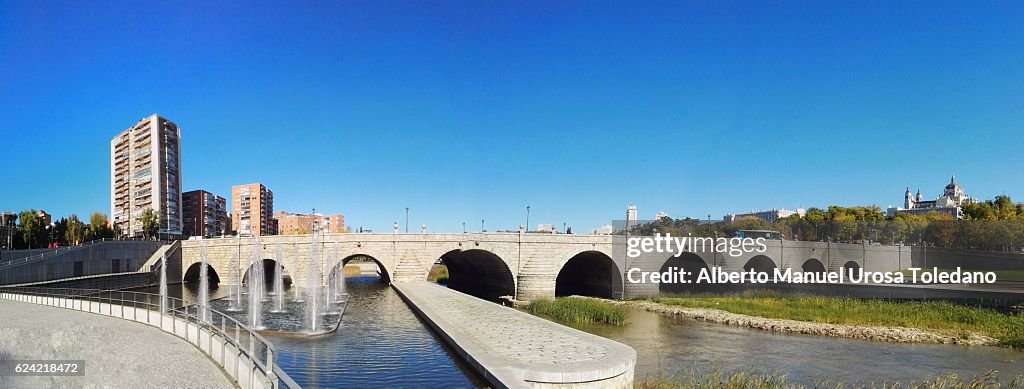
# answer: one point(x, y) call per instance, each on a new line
point(381, 343)
point(668, 345)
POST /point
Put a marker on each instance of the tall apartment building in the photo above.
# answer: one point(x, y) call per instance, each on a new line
point(145, 172)
point(252, 209)
point(205, 214)
point(631, 217)
point(300, 223)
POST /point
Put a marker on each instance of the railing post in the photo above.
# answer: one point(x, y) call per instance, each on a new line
point(223, 345)
point(238, 356)
point(270, 368)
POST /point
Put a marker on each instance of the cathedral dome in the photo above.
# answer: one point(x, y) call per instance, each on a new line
point(952, 183)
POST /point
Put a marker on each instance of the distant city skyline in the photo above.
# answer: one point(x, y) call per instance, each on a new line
point(465, 112)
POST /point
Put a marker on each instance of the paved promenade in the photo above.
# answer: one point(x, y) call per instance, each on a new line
point(118, 353)
point(515, 349)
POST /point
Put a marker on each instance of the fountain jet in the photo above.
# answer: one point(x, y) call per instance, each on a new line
point(279, 281)
point(256, 282)
point(204, 287)
point(313, 284)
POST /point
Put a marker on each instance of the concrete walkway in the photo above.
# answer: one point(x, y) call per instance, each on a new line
point(515, 349)
point(118, 353)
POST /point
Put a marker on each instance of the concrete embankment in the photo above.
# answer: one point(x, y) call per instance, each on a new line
point(117, 353)
point(513, 349)
point(876, 333)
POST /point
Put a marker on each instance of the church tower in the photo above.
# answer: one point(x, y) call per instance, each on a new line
point(908, 199)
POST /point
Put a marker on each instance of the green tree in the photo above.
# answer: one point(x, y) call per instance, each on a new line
point(75, 230)
point(59, 232)
point(98, 227)
point(31, 228)
point(150, 223)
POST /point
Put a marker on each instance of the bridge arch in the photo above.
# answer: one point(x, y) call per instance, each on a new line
point(851, 265)
point(192, 274)
point(813, 265)
point(338, 267)
point(269, 272)
point(760, 263)
point(689, 262)
point(589, 273)
point(479, 273)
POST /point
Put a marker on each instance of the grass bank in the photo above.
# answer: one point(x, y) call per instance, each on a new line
point(742, 380)
point(572, 310)
point(937, 316)
point(352, 270)
point(438, 274)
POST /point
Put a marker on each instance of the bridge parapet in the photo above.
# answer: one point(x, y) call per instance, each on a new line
point(526, 266)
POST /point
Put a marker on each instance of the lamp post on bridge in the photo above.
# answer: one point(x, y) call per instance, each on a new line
point(482, 225)
point(527, 218)
point(407, 219)
point(463, 227)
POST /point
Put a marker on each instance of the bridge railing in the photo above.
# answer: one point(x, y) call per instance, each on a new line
point(251, 346)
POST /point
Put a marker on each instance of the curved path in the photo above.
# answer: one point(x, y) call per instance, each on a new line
point(117, 353)
point(514, 349)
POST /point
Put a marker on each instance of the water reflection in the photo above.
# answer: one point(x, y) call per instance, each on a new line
point(381, 343)
point(670, 345)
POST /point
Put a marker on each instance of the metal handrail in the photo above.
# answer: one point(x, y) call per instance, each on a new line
point(62, 250)
point(257, 349)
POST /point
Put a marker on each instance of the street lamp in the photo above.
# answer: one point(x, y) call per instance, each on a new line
point(481, 225)
point(406, 219)
point(527, 218)
point(463, 227)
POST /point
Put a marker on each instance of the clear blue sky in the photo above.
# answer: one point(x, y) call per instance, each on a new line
point(472, 110)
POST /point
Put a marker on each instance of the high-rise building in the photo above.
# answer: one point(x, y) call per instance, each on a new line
point(299, 223)
point(145, 172)
point(631, 217)
point(205, 214)
point(252, 209)
point(44, 217)
point(7, 227)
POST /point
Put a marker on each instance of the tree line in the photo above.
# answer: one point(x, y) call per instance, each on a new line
point(30, 231)
point(996, 225)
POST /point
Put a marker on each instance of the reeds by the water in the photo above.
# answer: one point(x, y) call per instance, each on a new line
point(575, 310)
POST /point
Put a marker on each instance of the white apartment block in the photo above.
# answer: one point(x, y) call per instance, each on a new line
point(145, 172)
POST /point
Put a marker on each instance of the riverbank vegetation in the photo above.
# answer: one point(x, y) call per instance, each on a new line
point(575, 310)
point(939, 316)
point(439, 274)
point(352, 270)
point(743, 379)
point(994, 225)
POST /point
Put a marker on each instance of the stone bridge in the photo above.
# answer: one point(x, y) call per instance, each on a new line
point(526, 266)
